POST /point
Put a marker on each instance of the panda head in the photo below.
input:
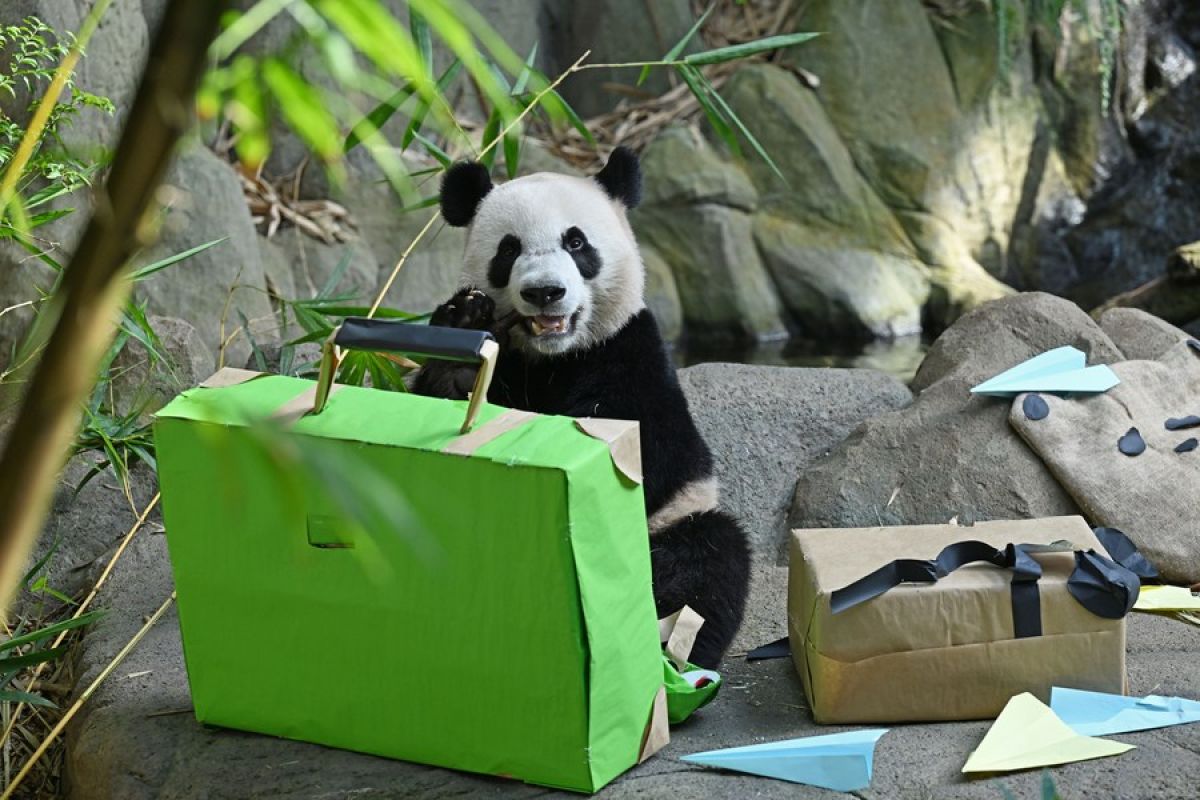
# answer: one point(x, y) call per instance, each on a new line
point(556, 249)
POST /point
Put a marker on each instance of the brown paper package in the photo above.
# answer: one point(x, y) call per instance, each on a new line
point(941, 651)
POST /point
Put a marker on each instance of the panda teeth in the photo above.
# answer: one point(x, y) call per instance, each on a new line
point(543, 324)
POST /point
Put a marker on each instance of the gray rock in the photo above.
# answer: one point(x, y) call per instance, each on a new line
point(1139, 335)
point(314, 264)
point(696, 220)
point(950, 454)
point(85, 523)
point(723, 285)
point(662, 297)
point(615, 31)
point(836, 290)
point(210, 288)
point(1001, 334)
point(137, 383)
point(766, 424)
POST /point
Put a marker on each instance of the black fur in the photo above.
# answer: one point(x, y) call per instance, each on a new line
point(463, 188)
point(500, 268)
point(622, 177)
point(703, 560)
point(587, 259)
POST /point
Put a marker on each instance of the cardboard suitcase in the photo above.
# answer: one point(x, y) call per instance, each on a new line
point(363, 569)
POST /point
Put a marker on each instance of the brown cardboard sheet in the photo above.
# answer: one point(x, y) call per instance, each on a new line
point(946, 650)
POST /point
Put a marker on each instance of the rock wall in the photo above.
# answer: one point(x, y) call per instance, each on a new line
point(926, 168)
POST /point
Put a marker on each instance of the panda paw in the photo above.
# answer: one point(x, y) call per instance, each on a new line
point(469, 308)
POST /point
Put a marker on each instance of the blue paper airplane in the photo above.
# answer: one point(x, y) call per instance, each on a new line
point(1100, 714)
point(839, 761)
point(1059, 371)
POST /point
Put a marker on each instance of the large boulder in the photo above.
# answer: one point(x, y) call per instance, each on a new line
point(215, 288)
point(699, 221)
point(951, 454)
point(765, 424)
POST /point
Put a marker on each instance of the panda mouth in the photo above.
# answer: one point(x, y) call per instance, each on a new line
point(551, 324)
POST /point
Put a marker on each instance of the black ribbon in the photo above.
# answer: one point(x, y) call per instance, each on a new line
point(1026, 601)
point(1125, 552)
point(1103, 587)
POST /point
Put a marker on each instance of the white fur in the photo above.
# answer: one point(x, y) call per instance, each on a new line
point(538, 209)
point(695, 497)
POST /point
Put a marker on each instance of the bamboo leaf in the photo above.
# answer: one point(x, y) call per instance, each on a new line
point(145, 272)
point(696, 83)
point(729, 114)
point(418, 119)
point(377, 117)
point(490, 131)
point(674, 52)
point(420, 34)
point(523, 79)
point(736, 51)
point(29, 659)
point(51, 630)
point(512, 151)
point(555, 104)
point(304, 109)
point(29, 698)
point(438, 153)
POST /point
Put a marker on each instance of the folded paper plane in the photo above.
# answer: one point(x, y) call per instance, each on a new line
point(1100, 714)
point(1028, 735)
point(1060, 371)
point(839, 761)
point(1166, 598)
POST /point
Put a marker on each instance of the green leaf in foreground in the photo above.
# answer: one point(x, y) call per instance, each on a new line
point(746, 49)
point(377, 117)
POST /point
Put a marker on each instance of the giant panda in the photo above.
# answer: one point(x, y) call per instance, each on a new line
point(553, 270)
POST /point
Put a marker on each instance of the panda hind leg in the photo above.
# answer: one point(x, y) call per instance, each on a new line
point(703, 561)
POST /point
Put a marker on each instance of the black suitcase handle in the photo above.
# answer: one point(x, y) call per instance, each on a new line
point(448, 344)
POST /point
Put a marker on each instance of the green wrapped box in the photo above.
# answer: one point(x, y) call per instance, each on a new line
point(507, 627)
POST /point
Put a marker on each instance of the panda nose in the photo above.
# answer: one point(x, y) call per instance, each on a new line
point(542, 296)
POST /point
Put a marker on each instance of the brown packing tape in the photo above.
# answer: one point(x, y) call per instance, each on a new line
point(623, 439)
point(295, 409)
point(229, 376)
point(468, 443)
point(679, 631)
point(658, 731)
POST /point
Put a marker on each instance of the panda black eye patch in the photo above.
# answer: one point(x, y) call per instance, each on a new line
point(587, 259)
point(500, 268)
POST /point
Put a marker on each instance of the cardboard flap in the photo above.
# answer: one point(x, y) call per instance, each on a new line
point(623, 439)
point(229, 376)
point(658, 732)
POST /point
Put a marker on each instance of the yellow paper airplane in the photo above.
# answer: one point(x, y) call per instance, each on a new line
point(1027, 735)
point(1166, 598)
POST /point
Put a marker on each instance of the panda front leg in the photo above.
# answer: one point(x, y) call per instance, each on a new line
point(469, 308)
point(703, 561)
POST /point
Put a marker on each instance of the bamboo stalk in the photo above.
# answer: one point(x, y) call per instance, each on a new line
point(95, 283)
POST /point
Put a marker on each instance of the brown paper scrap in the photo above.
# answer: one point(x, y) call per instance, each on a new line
point(679, 631)
point(623, 439)
point(299, 406)
point(229, 376)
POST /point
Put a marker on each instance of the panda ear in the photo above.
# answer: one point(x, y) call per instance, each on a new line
point(463, 188)
point(622, 177)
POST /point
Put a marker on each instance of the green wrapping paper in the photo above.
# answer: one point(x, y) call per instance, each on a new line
point(505, 625)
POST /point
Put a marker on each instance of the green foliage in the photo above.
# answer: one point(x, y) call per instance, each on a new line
point(27, 648)
point(33, 52)
point(1103, 20)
